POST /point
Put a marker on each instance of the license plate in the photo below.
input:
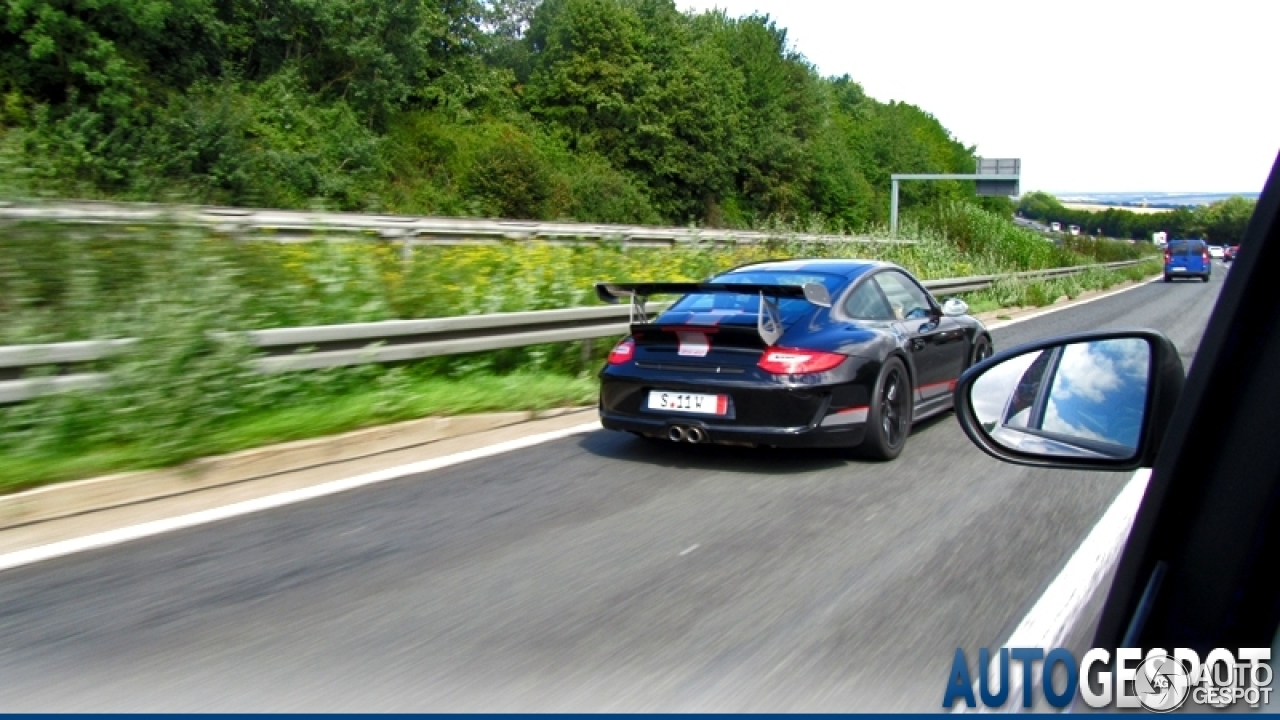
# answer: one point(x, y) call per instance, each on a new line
point(688, 402)
point(1178, 269)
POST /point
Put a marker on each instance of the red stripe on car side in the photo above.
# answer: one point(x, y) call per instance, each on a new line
point(949, 385)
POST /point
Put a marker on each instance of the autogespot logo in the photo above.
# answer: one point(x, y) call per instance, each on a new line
point(1163, 683)
point(1160, 681)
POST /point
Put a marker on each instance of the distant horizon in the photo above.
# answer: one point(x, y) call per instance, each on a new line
point(1153, 193)
point(1148, 199)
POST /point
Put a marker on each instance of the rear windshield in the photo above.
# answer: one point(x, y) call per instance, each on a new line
point(1186, 247)
point(743, 308)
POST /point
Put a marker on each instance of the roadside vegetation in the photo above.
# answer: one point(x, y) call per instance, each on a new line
point(181, 394)
point(59, 283)
point(1022, 294)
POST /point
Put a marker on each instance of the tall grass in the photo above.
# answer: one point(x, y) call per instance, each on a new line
point(1007, 293)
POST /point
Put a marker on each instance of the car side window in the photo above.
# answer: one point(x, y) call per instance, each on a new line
point(907, 300)
point(866, 303)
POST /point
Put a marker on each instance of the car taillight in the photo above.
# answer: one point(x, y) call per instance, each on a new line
point(622, 352)
point(1168, 256)
point(791, 361)
point(1205, 255)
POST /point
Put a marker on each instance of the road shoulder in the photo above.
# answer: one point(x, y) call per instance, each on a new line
point(69, 510)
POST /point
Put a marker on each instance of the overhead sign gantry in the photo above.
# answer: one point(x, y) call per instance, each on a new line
point(994, 177)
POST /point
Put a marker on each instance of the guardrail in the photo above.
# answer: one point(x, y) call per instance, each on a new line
point(409, 230)
point(329, 346)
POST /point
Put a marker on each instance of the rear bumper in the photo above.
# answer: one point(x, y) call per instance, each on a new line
point(819, 416)
point(847, 435)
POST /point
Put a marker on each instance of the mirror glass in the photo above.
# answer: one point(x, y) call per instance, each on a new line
point(1083, 400)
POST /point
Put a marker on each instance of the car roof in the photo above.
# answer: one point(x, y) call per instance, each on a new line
point(848, 267)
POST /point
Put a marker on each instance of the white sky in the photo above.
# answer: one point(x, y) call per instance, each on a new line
point(1094, 96)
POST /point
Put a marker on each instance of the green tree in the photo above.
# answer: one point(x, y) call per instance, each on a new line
point(507, 24)
point(1040, 206)
point(107, 55)
point(625, 110)
point(624, 80)
point(780, 116)
point(378, 55)
point(1225, 222)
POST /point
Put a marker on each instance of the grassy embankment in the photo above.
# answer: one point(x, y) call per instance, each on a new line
point(179, 395)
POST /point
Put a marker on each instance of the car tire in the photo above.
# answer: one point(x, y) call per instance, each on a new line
point(981, 351)
point(1168, 278)
point(1205, 278)
point(889, 416)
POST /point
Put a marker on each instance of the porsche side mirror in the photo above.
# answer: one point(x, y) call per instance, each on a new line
point(1097, 400)
point(955, 307)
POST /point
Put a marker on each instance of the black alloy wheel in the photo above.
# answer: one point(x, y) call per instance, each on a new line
point(893, 415)
point(889, 417)
point(981, 350)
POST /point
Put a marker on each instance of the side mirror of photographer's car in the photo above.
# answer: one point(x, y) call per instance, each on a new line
point(1096, 400)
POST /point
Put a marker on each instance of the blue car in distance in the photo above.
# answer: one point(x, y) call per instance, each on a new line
point(1187, 258)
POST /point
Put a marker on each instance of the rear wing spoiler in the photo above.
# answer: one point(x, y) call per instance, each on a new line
point(768, 321)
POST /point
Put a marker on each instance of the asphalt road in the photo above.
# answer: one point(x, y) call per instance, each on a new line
point(599, 572)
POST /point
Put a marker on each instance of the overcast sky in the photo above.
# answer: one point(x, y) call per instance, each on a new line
point(1094, 96)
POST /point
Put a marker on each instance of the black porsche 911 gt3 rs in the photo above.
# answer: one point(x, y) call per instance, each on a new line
point(789, 353)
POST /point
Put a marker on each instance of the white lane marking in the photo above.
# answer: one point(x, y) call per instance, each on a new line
point(157, 527)
point(688, 550)
point(1058, 610)
point(1068, 306)
point(1054, 615)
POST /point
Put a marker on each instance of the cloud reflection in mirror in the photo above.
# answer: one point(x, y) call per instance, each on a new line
point(1083, 399)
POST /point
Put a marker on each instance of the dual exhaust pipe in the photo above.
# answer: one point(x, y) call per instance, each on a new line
point(690, 434)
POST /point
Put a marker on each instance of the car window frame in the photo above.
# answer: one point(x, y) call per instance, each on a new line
point(931, 305)
point(867, 280)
